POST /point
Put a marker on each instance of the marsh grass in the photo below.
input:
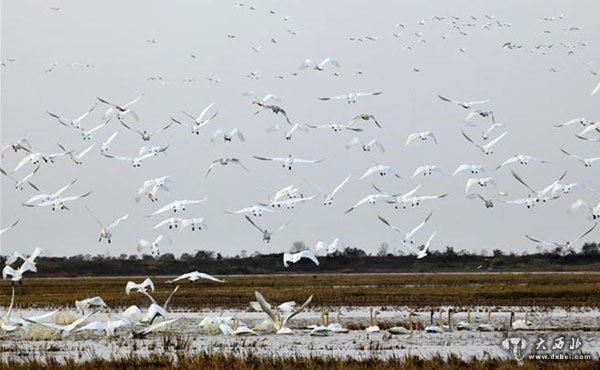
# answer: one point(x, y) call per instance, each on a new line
point(217, 361)
point(414, 290)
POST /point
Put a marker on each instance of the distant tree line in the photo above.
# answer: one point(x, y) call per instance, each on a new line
point(350, 260)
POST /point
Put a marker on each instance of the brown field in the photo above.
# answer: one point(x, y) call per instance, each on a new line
point(231, 362)
point(414, 290)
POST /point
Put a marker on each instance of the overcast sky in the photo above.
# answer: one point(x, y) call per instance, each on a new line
point(113, 37)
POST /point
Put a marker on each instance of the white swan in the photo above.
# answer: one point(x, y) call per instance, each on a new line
point(228, 136)
point(20, 184)
point(121, 110)
point(523, 324)
point(409, 236)
point(94, 302)
point(155, 310)
point(137, 161)
point(487, 148)
point(319, 66)
point(288, 162)
point(57, 203)
point(373, 327)
point(352, 97)
point(147, 283)
point(366, 146)
point(465, 325)
point(267, 235)
point(178, 205)
point(473, 168)
point(200, 121)
point(106, 232)
point(72, 123)
point(487, 326)
point(587, 162)
point(193, 276)
point(279, 322)
point(522, 159)
point(424, 135)
point(381, 169)
point(256, 211)
point(295, 257)
point(145, 134)
point(435, 328)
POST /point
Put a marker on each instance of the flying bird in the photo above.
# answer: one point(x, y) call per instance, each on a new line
point(225, 162)
point(288, 161)
point(193, 276)
point(463, 104)
point(295, 257)
point(352, 97)
point(121, 110)
point(266, 234)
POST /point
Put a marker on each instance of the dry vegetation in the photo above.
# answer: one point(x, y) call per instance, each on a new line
point(232, 362)
point(415, 290)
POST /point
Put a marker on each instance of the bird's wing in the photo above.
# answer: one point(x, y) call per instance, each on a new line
point(461, 168)
point(411, 137)
point(553, 244)
point(370, 171)
point(265, 158)
point(203, 113)
point(468, 138)
point(156, 326)
point(360, 202)
point(203, 275)
point(519, 179)
point(340, 186)
point(80, 118)
point(253, 224)
point(117, 221)
point(508, 161)
point(310, 255)
point(163, 209)
point(94, 217)
point(413, 231)
point(493, 142)
point(133, 101)
point(170, 297)
point(296, 311)
point(299, 160)
point(85, 151)
point(572, 155)
point(353, 142)
point(584, 234)
point(390, 225)
point(265, 306)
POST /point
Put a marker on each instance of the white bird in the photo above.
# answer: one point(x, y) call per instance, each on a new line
point(563, 245)
point(152, 245)
point(178, 205)
point(109, 327)
point(106, 232)
point(20, 184)
point(352, 97)
point(200, 121)
point(293, 128)
point(366, 146)
point(142, 333)
point(35, 158)
point(238, 329)
point(87, 134)
point(522, 159)
point(364, 117)
point(336, 127)
point(225, 162)
point(266, 234)
point(483, 182)
point(523, 324)
point(370, 199)
point(434, 328)
point(591, 127)
point(279, 323)
point(73, 123)
point(422, 253)
point(95, 302)
point(136, 161)
point(64, 330)
point(106, 143)
point(288, 192)
point(424, 135)
point(152, 186)
point(463, 104)
point(288, 161)
point(173, 222)
point(193, 276)
point(487, 148)
point(77, 157)
point(155, 310)
point(121, 110)
point(21, 144)
point(587, 162)
point(319, 66)
point(594, 211)
point(58, 203)
point(295, 257)
point(145, 134)
point(9, 227)
point(475, 169)
point(322, 249)
point(486, 134)
point(27, 265)
point(45, 197)
point(193, 223)
point(373, 327)
point(228, 136)
point(147, 283)
point(382, 169)
point(256, 211)
point(409, 236)
point(582, 121)
point(428, 170)
point(328, 198)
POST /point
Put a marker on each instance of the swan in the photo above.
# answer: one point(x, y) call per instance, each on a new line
point(106, 232)
point(76, 158)
point(352, 97)
point(487, 148)
point(337, 326)
point(155, 310)
point(462, 103)
point(147, 283)
point(133, 313)
point(381, 169)
point(225, 162)
point(373, 327)
point(487, 326)
point(561, 245)
point(295, 257)
point(58, 203)
point(21, 144)
point(137, 161)
point(481, 181)
point(145, 134)
point(366, 146)
point(200, 121)
point(87, 134)
point(428, 170)
point(424, 135)
point(73, 123)
point(10, 226)
point(582, 121)
point(591, 127)
point(409, 236)
point(522, 159)
point(142, 333)
point(94, 302)
point(20, 184)
point(267, 235)
point(321, 249)
point(434, 328)
point(401, 330)
point(401, 200)
point(35, 158)
point(288, 162)
point(194, 223)
point(279, 322)
point(289, 203)
point(520, 324)
point(319, 66)
point(153, 246)
point(365, 117)
point(288, 192)
point(178, 205)
point(228, 136)
point(17, 275)
point(323, 329)
point(587, 162)
point(173, 222)
point(109, 327)
point(465, 325)
point(273, 108)
point(45, 197)
point(193, 276)
point(475, 169)
point(64, 330)
point(9, 323)
point(328, 198)
point(30, 261)
point(489, 203)
point(370, 199)
point(121, 110)
point(106, 144)
point(152, 186)
point(256, 211)
point(486, 134)
point(237, 329)
point(337, 127)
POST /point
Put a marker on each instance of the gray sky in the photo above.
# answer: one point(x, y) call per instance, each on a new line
point(111, 35)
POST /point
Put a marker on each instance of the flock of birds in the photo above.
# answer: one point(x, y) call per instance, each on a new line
point(98, 139)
